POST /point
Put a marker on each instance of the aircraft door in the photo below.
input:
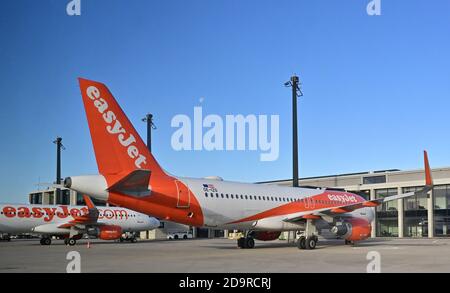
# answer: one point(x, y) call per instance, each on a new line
point(183, 195)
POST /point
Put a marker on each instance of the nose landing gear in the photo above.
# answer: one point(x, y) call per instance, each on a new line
point(246, 242)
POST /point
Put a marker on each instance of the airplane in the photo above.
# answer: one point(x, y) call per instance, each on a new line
point(72, 222)
point(129, 176)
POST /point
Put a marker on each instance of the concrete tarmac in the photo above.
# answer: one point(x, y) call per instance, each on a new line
point(222, 255)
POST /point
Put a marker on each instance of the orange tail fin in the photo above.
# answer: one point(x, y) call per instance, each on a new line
point(118, 147)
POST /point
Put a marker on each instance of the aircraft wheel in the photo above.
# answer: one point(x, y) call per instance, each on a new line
point(46, 241)
point(311, 242)
point(71, 241)
point(249, 242)
point(301, 244)
point(241, 242)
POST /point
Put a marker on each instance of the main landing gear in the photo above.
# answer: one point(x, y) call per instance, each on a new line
point(70, 241)
point(46, 241)
point(308, 240)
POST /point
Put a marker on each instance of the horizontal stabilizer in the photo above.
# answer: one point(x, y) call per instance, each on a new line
point(135, 184)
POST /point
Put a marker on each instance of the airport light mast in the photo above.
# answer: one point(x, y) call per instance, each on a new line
point(294, 83)
point(59, 147)
point(150, 125)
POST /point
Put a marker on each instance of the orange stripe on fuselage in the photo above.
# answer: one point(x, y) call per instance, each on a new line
point(321, 201)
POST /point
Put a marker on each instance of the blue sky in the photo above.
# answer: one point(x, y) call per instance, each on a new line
point(376, 88)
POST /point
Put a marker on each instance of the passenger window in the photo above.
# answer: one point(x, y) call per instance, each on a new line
point(250, 197)
point(226, 195)
point(221, 195)
point(242, 197)
point(246, 197)
point(217, 195)
point(206, 194)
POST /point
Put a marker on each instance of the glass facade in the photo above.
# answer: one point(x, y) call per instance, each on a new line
point(63, 197)
point(51, 197)
point(374, 179)
point(387, 214)
point(416, 214)
point(441, 205)
point(36, 198)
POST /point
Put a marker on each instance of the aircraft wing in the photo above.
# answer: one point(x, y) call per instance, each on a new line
point(91, 217)
point(335, 211)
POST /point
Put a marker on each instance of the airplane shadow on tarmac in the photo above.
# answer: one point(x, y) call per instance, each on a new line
point(228, 244)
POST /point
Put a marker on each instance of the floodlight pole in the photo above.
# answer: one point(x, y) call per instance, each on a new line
point(296, 92)
point(150, 125)
point(59, 146)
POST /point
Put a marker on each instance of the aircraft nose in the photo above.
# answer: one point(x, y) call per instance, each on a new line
point(154, 223)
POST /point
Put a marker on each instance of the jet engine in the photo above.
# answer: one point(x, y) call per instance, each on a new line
point(265, 235)
point(94, 185)
point(109, 232)
point(352, 229)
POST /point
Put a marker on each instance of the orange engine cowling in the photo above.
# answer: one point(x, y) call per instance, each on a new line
point(109, 232)
point(265, 235)
point(353, 229)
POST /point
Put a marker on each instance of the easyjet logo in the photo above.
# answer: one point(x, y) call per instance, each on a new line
point(114, 127)
point(342, 198)
point(61, 212)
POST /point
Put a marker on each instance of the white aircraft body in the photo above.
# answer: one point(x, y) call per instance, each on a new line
point(72, 222)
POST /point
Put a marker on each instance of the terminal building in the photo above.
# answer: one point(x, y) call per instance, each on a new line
point(419, 216)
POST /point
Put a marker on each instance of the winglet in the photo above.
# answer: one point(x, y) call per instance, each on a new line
point(89, 202)
point(428, 178)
